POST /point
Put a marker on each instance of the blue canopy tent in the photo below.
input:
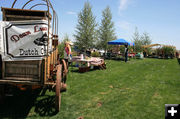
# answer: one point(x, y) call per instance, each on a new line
point(120, 42)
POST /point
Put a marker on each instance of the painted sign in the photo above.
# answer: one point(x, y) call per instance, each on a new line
point(26, 40)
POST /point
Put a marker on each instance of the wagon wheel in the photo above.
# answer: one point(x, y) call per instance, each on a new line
point(65, 71)
point(58, 87)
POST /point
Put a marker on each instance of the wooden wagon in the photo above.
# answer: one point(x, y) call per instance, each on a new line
point(24, 71)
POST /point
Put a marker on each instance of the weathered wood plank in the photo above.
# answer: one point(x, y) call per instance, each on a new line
point(21, 65)
point(19, 78)
point(24, 70)
point(16, 17)
point(12, 14)
point(6, 81)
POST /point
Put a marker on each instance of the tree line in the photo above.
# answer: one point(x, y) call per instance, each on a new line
point(88, 34)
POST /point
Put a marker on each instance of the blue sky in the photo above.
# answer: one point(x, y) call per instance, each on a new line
point(160, 18)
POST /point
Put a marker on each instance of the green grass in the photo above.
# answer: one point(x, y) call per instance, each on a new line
point(138, 89)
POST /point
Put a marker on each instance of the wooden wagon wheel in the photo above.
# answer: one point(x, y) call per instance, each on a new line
point(65, 71)
point(58, 87)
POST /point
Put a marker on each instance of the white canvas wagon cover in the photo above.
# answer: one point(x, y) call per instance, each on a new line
point(24, 40)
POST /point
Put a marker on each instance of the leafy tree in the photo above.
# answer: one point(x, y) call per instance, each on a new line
point(145, 38)
point(106, 29)
point(86, 28)
point(140, 40)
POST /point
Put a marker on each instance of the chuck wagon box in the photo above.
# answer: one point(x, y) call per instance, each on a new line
point(28, 51)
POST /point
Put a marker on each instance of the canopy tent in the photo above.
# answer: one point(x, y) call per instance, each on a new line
point(120, 42)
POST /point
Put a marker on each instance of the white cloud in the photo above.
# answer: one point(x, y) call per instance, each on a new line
point(71, 13)
point(123, 5)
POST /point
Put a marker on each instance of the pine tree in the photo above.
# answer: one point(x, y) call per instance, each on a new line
point(137, 41)
point(136, 36)
point(86, 28)
point(106, 30)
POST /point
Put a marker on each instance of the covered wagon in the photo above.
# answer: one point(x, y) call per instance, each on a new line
point(28, 50)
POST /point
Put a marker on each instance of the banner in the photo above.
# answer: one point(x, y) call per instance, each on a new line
point(27, 40)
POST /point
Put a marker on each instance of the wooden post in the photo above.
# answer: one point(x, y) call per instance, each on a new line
point(40, 63)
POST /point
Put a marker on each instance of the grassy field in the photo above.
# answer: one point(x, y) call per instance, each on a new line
point(138, 89)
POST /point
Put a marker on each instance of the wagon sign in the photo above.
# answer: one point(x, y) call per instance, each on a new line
point(25, 40)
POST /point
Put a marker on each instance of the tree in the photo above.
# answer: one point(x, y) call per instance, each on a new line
point(86, 28)
point(137, 41)
point(146, 40)
point(140, 40)
point(106, 29)
point(66, 38)
point(136, 36)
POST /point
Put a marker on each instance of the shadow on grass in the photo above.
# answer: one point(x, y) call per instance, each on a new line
point(117, 58)
point(90, 70)
point(74, 70)
point(19, 105)
point(46, 106)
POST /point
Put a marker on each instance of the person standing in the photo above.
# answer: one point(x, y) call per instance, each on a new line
point(126, 52)
point(67, 53)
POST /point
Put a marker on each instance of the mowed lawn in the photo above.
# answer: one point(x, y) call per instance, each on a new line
point(138, 89)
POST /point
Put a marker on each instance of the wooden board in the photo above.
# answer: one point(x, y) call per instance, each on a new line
point(22, 70)
point(11, 14)
point(7, 81)
point(50, 62)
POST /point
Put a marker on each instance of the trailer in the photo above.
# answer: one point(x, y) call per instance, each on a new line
point(28, 50)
